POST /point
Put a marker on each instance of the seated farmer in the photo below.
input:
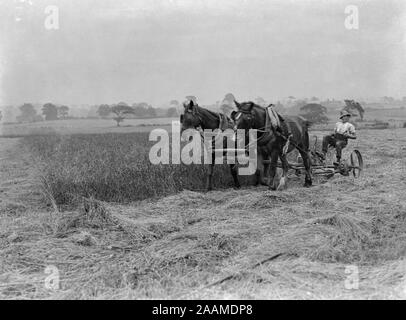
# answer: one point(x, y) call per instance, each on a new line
point(339, 139)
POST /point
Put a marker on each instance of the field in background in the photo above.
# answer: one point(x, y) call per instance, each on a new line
point(249, 243)
point(84, 126)
point(395, 114)
point(395, 117)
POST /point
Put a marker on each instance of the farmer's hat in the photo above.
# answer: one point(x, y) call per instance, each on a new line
point(344, 113)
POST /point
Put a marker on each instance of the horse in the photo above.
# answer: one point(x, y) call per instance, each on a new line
point(195, 117)
point(276, 140)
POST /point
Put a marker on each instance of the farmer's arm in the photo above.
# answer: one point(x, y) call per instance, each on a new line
point(335, 129)
point(350, 134)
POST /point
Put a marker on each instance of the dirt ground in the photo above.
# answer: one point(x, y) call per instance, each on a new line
point(341, 239)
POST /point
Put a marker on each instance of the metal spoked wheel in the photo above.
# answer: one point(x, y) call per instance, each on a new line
point(356, 163)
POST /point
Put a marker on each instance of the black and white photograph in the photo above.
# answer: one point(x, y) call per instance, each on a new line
point(211, 150)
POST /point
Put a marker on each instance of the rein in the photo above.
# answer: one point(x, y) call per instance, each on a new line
point(261, 129)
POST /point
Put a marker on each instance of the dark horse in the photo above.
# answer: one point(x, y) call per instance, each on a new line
point(272, 140)
point(197, 117)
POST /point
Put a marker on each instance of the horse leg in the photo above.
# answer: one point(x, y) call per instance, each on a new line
point(259, 173)
point(265, 173)
point(272, 169)
point(209, 185)
point(307, 165)
point(233, 169)
point(285, 167)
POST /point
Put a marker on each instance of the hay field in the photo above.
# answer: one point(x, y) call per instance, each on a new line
point(250, 243)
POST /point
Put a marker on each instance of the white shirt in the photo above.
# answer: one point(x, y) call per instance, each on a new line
point(344, 128)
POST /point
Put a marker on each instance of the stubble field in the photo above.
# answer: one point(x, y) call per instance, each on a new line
point(76, 226)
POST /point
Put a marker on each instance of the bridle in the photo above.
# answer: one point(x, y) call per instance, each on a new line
point(195, 113)
point(250, 118)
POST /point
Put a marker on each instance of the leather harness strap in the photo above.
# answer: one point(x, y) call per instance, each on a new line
point(275, 127)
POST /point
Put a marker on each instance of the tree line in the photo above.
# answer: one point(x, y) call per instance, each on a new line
point(28, 113)
point(312, 109)
point(49, 111)
point(138, 110)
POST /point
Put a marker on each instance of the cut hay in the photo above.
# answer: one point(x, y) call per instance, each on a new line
point(332, 238)
point(175, 247)
point(261, 200)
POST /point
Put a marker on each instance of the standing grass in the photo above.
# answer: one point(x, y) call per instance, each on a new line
point(113, 167)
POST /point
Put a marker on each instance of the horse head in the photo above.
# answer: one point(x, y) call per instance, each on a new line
point(248, 116)
point(190, 118)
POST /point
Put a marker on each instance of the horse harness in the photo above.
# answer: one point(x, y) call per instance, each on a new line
point(272, 123)
point(223, 123)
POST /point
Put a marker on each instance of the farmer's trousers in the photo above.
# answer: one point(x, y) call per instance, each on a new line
point(336, 142)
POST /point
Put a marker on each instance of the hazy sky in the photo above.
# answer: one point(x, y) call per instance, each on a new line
point(106, 51)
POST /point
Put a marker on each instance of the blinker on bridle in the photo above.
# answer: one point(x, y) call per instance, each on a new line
point(249, 115)
point(194, 113)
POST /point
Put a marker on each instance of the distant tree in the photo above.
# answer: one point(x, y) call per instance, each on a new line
point(27, 113)
point(314, 99)
point(314, 112)
point(229, 98)
point(9, 113)
point(388, 99)
point(38, 117)
point(297, 105)
point(351, 105)
point(151, 112)
point(121, 111)
point(140, 109)
point(226, 109)
point(174, 103)
point(63, 112)
point(279, 107)
point(172, 112)
point(104, 110)
point(50, 111)
point(91, 111)
point(227, 105)
point(144, 110)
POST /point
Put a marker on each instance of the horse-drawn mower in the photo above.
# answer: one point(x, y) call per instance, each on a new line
point(324, 166)
point(352, 166)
